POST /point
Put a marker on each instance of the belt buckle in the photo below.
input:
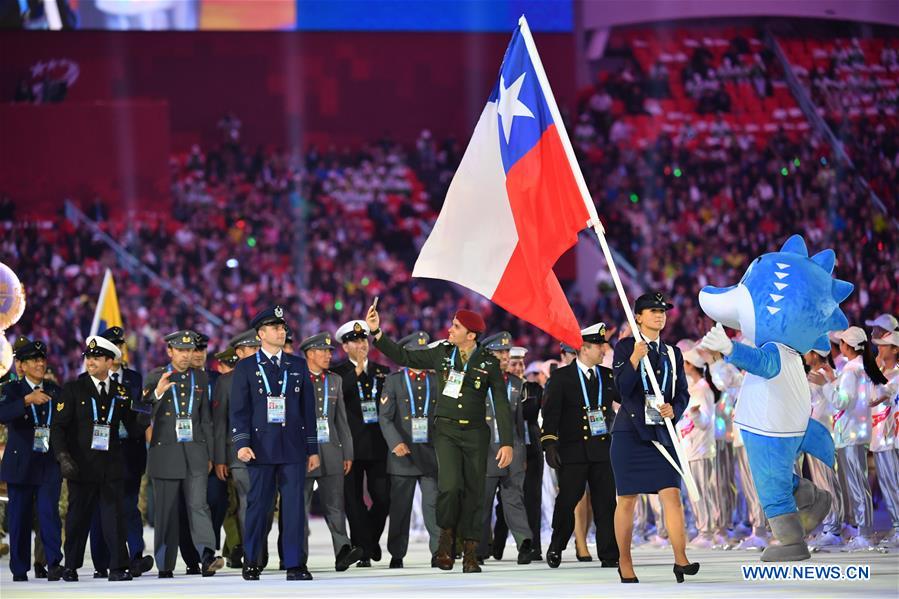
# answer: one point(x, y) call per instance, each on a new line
point(463, 422)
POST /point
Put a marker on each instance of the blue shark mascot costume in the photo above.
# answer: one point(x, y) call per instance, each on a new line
point(785, 304)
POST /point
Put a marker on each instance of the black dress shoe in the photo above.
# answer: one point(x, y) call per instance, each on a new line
point(235, 560)
point(376, 553)
point(250, 572)
point(101, 573)
point(536, 556)
point(119, 575)
point(553, 558)
point(525, 552)
point(70, 575)
point(165, 574)
point(347, 557)
point(55, 573)
point(301, 573)
point(608, 563)
point(396, 563)
point(141, 564)
point(364, 563)
point(20, 578)
point(481, 560)
point(434, 561)
point(40, 571)
point(211, 563)
point(498, 550)
point(193, 570)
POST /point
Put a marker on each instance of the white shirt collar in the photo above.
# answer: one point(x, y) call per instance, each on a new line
point(98, 381)
point(648, 340)
point(120, 372)
point(584, 368)
point(279, 355)
point(356, 364)
point(33, 385)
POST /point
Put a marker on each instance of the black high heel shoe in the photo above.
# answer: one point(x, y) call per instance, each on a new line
point(584, 558)
point(628, 580)
point(689, 570)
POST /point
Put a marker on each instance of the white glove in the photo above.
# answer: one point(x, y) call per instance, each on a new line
point(717, 340)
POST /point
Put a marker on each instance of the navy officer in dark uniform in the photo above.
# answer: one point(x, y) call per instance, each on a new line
point(134, 450)
point(31, 473)
point(272, 417)
point(577, 415)
point(84, 436)
point(639, 433)
point(363, 384)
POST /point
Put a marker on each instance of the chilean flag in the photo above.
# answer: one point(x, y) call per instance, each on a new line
point(517, 201)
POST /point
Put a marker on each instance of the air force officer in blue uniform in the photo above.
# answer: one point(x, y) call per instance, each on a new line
point(273, 428)
point(28, 468)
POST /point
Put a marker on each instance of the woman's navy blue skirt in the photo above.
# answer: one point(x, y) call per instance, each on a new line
point(639, 467)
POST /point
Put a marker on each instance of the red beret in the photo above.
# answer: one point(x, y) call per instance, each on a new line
point(471, 321)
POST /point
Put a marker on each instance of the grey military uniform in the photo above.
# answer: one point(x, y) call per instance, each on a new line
point(510, 480)
point(395, 415)
point(333, 452)
point(173, 465)
point(223, 448)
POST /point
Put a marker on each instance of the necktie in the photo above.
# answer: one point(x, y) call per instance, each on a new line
point(275, 361)
point(589, 374)
point(103, 395)
point(654, 345)
point(115, 378)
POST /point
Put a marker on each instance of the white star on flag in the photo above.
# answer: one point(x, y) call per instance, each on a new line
point(509, 104)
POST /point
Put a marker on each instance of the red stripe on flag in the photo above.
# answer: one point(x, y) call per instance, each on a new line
point(549, 212)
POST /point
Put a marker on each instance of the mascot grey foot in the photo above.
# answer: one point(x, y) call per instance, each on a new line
point(813, 504)
point(788, 530)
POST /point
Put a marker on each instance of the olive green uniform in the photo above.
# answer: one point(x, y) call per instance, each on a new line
point(461, 434)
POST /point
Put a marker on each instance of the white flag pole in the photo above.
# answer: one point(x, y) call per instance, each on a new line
point(595, 223)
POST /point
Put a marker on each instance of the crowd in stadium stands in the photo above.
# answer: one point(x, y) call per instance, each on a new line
point(326, 231)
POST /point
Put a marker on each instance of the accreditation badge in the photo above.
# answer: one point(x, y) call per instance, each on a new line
point(41, 439)
point(369, 412)
point(453, 386)
point(653, 416)
point(276, 408)
point(100, 438)
point(184, 430)
point(419, 430)
point(597, 423)
point(323, 430)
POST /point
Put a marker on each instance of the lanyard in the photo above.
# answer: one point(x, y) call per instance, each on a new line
point(490, 396)
point(94, 404)
point(584, 388)
point(374, 389)
point(664, 378)
point(49, 414)
point(190, 403)
point(268, 388)
point(412, 395)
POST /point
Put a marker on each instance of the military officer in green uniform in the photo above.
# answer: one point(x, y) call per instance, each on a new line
point(465, 372)
point(508, 481)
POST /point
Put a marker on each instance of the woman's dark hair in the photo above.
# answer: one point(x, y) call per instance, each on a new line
point(707, 373)
point(870, 363)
